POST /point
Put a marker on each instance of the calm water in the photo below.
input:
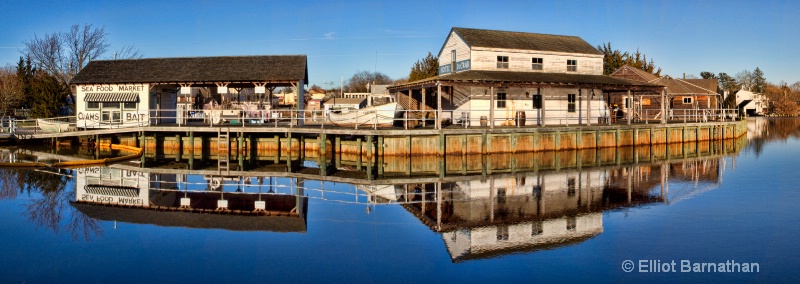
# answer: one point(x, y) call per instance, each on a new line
point(572, 224)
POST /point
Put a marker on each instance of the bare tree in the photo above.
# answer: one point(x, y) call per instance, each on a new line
point(360, 81)
point(11, 94)
point(128, 52)
point(64, 54)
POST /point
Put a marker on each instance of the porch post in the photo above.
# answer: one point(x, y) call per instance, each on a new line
point(663, 107)
point(301, 104)
point(589, 108)
point(438, 105)
point(423, 107)
point(580, 106)
point(628, 114)
point(542, 110)
point(491, 107)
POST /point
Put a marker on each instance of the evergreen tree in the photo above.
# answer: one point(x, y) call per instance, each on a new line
point(424, 68)
point(708, 75)
point(48, 96)
point(26, 74)
point(614, 59)
point(759, 82)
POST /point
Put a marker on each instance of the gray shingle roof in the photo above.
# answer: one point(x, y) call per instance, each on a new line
point(269, 68)
point(564, 80)
point(522, 40)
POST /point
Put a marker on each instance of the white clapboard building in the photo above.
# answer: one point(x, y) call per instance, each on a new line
point(502, 78)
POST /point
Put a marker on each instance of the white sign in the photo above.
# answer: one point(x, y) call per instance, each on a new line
point(222, 90)
point(261, 90)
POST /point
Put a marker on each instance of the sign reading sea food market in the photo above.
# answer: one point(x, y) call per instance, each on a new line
point(112, 105)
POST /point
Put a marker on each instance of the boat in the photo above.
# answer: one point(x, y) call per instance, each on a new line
point(375, 114)
point(52, 125)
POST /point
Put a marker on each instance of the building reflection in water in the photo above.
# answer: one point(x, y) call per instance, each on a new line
point(555, 200)
point(501, 214)
point(132, 196)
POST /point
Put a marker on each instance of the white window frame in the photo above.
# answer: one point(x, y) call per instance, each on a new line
point(502, 62)
point(572, 67)
point(537, 63)
point(687, 100)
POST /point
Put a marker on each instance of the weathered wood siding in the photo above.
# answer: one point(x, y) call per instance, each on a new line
point(520, 60)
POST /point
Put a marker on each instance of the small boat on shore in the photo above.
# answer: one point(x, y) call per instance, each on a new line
point(52, 125)
point(373, 115)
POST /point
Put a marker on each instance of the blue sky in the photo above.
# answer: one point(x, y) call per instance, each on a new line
point(341, 38)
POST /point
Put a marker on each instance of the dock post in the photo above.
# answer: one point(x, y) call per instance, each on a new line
point(337, 151)
point(253, 141)
point(180, 147)
point(369, 157)
point(240, 150)
point(289, 155)
point(484, 142)
point(143, 146)
point(277, 159)
point(191, 150)
point(380, 151)
point(323, 161)
point(359, 154)
point(557, 141)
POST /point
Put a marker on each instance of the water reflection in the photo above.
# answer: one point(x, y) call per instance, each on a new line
point(481, 206)
point(139, 197)
point(763, 130)
point(496, 215)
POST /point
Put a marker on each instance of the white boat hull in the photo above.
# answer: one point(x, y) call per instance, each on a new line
point(382, 115)
point(52, 126)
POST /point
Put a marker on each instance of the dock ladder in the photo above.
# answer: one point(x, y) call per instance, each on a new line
point(223, 150)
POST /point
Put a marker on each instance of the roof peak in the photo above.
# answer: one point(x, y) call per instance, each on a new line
point(503, 31)
point(201, 57)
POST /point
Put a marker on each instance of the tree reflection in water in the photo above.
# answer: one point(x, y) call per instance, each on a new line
point(51, 209)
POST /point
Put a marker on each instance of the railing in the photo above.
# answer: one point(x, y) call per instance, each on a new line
point(372, 119)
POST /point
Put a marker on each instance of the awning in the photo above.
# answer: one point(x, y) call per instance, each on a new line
point(112, 190)
point(112, 97)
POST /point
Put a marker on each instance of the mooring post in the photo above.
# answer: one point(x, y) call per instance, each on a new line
point(289, 152)
point(143, 146)
point(337, 151)
point(240, 150)
point(380, 154)
point(359, 154)
point(191, 150)
point(277, 158)
point(179, 146)
point(369, 157)
point(323, 161)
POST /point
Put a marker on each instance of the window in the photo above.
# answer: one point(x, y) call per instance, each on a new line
point(572, 223)
point(687, 100)
point(501, 196)
point(572, 65)
point(502, 62)
point(129, 105)
point(453, 59)
point(502, 233)
point(111, 105)
point(571, 103)
point(501, 100)
point(571, 187)
point(536, 228)
point(537, 101)
point(536, 63)
point(92, 105)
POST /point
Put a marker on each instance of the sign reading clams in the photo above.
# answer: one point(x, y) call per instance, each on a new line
point(112, 105)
